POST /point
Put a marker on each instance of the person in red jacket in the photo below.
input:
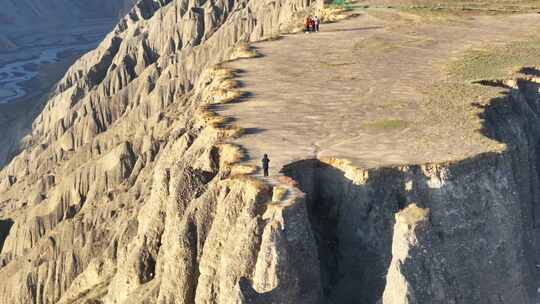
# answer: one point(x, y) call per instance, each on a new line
point(307, 24)
point(312, 23)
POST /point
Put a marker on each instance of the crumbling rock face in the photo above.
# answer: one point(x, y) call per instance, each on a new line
point(477, 238)
point(352, 225)
point(124, 192)
point(410, 258)
point(460, 232)
point(120, 193)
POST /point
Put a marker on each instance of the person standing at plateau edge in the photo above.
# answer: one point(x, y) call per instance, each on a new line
point(265, 164)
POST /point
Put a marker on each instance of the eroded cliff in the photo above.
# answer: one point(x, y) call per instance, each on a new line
point(127, 190)
point(122, 192)
point(458, 232)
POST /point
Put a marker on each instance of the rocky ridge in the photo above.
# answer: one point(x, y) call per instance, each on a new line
point(124, 171)
point(126, 190)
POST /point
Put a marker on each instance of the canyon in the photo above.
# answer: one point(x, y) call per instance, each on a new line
point(396, 175)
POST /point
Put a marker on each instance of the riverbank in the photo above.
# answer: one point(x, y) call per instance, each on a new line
point(36, 48)
point(17, 73)
point(16, 117)
point(28, 72)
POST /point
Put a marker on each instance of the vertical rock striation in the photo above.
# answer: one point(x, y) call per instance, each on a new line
point(121, 192)
point(126, 193)
point(410, 245)
point(477, 243)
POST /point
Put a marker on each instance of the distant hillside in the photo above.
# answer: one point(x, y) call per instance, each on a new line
point(26, 14)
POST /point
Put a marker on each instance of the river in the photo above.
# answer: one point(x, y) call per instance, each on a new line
point(14, 74)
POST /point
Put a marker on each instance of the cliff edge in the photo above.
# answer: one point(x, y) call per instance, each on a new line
point(139, 182)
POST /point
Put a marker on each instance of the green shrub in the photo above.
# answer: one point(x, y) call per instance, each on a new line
point(342, 4)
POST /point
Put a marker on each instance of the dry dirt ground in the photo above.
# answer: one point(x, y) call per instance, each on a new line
point(360, 90)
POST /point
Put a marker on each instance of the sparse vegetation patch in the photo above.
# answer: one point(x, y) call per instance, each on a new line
point(386, 125)
point(497, 62)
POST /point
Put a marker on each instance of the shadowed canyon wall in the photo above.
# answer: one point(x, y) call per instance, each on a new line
point(460, 232)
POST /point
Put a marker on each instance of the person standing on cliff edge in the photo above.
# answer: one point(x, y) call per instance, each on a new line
point(265, 162)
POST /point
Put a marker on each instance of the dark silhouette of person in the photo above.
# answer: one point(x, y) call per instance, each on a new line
point(265, 162)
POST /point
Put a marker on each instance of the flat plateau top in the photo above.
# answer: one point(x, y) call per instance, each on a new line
point(368, 89)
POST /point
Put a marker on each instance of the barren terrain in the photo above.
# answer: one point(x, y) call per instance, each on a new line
point(404, 145)
point(375, 91)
